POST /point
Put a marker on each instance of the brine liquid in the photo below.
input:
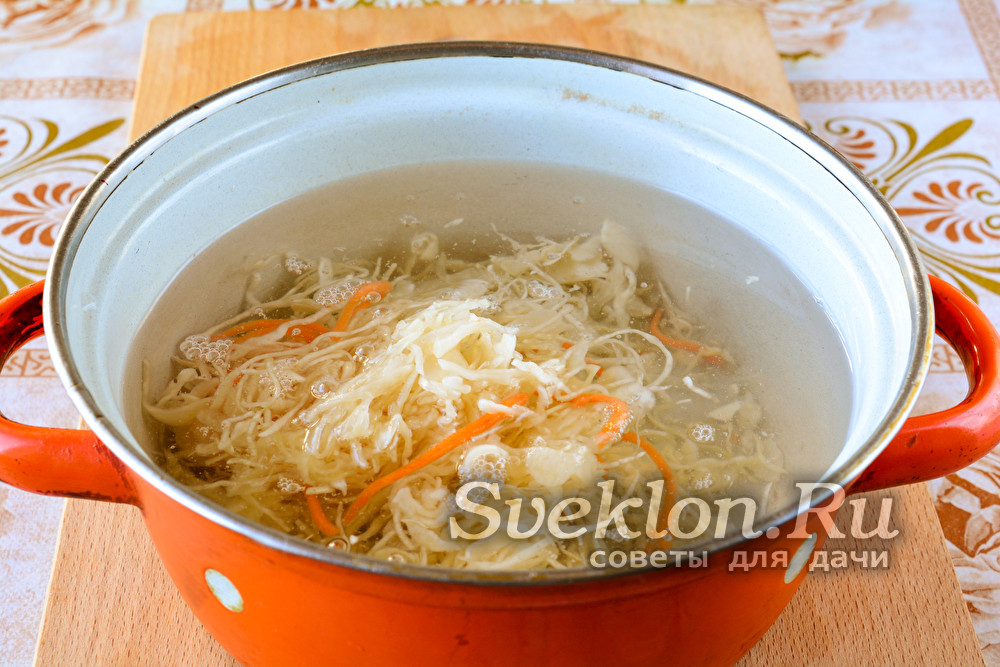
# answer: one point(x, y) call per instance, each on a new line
point(734, 288)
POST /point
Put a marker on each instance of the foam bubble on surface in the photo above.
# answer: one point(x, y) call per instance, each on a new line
point(295, 265)
point(200, 347)
point(337, 293)
point(487, 463)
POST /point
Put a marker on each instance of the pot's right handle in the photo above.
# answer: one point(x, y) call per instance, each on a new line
point(930, 446)
point(51, 461)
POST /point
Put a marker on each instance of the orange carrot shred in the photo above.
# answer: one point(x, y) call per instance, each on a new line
point(300, 333)
point(366, 295)
point(476, 427)
point(363, 296)
point(250, 329)
point(696, 348)
point(669, 484)
point(306, 333)
point(617, 420)
point(325, 526)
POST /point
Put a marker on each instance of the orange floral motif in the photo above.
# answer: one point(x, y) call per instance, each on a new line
point(49, 22)
point(42, 173)
point(819, 27)
point(40, 212)
point(956, 208)
point(947, 196)
point(857, 147)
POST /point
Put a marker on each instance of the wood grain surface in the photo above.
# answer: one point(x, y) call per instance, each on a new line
point(110, 601)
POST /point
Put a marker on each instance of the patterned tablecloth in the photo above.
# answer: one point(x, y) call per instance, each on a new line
point(908, 90)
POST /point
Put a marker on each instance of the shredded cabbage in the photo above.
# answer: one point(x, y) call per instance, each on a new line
point(259, 422)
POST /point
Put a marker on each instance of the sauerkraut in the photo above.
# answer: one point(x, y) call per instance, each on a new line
point(368, 403)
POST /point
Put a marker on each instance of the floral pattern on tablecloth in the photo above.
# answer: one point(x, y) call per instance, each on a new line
point(906, 89)
point(948, 198)
point(42, 172)
point(819, 27)
point(39, 23)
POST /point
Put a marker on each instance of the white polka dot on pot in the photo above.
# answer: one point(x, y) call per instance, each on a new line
point(224, 590)
point(801, 557)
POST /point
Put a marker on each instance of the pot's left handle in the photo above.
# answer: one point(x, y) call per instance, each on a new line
point(52, 461)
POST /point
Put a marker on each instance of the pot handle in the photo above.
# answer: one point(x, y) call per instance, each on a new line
point(934, 445)
point(52, 461)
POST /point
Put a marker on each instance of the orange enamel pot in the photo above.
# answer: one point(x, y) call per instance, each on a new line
point(274, 600)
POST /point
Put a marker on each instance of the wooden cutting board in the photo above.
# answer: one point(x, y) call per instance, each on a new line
point(110, 601)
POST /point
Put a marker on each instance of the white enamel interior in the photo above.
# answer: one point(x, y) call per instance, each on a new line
point(244, 158)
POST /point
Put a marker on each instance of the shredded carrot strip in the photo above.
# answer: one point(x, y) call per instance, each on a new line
point(476, 427)
point(325, 526)
point(617, 420)
point(697, 348)
point(300, 333)
point(366, 295)
point(253, 328)
point(306, 333)
point(669, 484)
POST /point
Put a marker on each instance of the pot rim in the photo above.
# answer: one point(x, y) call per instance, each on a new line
point(104, 184)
